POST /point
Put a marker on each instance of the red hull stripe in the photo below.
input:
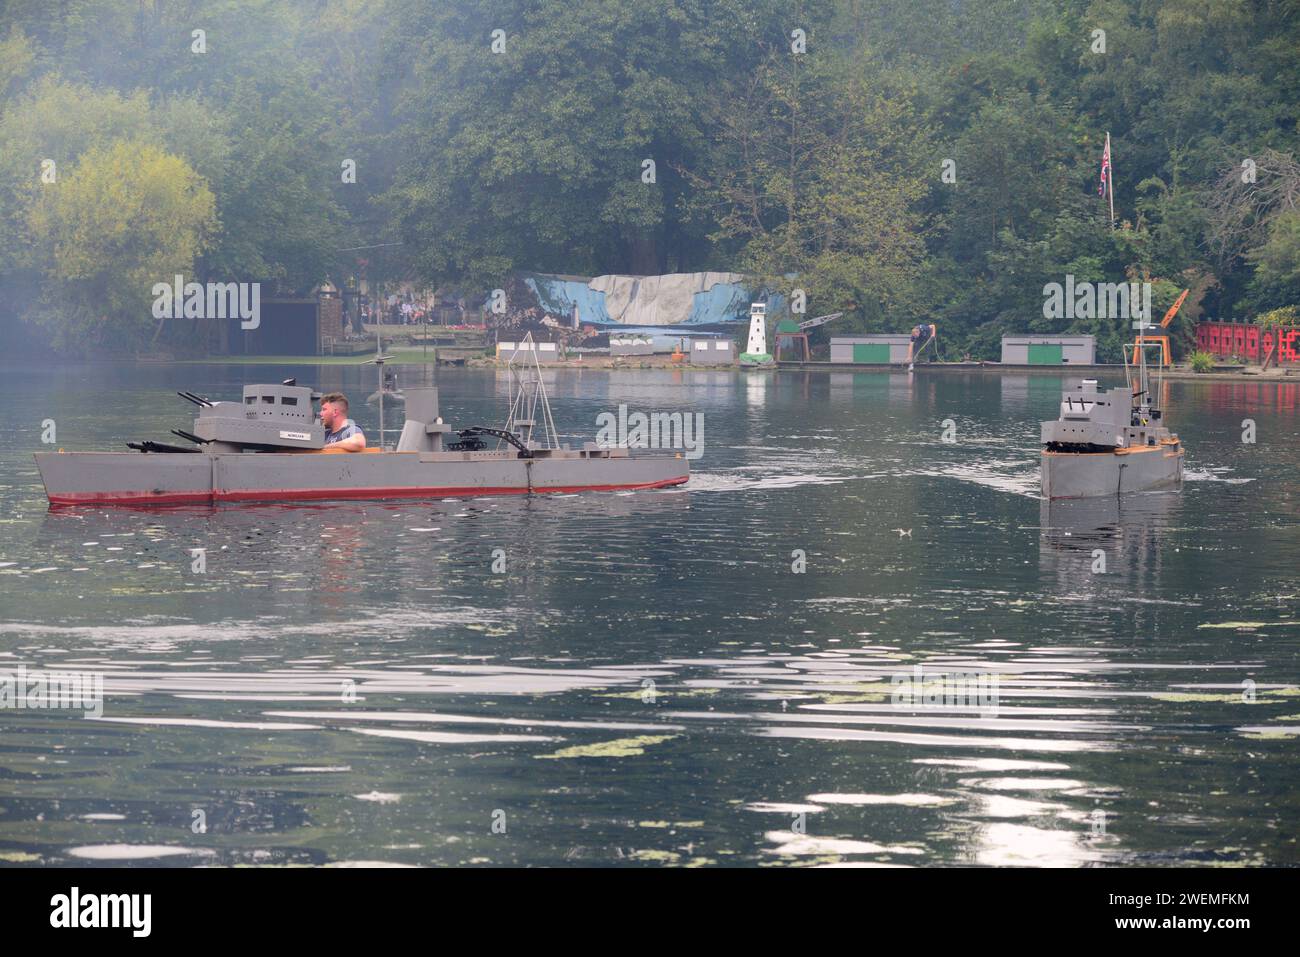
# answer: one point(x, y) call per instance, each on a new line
point(320, 494)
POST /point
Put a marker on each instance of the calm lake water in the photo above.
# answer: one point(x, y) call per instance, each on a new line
point(650, 680)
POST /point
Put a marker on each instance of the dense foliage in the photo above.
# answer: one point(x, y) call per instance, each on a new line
point(897, 159)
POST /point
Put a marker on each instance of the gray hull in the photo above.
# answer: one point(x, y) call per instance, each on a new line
point(1093, 474)
point(126, 478)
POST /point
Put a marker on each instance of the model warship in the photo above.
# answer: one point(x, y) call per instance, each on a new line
point(1110, 442)
point(270, 447)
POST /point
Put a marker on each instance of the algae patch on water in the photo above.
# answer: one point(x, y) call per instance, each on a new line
point(1245, 625)
point(618, 748)
point(1231, 697)
point(669, 823)
point(659, 857)
point(648, 695)
point(864, 691)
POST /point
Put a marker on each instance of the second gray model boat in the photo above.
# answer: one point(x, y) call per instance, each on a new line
point(1109, 442)
point(270, 447)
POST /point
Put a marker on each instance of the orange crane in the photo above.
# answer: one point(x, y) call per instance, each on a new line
point(1164, 324)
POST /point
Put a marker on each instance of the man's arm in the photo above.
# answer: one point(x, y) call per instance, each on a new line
point(355, 443)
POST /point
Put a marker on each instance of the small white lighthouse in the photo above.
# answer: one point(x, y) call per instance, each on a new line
point(756, 349)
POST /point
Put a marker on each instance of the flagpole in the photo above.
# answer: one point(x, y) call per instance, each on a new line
point(1110, 180)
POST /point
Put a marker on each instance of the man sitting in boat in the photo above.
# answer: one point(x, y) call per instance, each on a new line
point(340, 431)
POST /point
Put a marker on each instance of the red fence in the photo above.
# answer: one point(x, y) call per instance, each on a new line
point(1226, 339)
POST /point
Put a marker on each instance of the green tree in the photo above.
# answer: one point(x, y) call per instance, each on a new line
point(534, 157)
point(17, 57)
point(127, 217)
point(814, 171)
point(55, 121)
point(1278, 259)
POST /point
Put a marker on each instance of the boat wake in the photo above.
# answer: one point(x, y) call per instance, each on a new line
point(735, 481)
point(1013, 476)
point(1211, 474)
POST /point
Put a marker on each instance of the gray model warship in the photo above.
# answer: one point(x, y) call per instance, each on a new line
point(270, 447)
point(1110, 442)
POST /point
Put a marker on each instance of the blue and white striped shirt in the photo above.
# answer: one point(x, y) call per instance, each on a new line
point(349, 429)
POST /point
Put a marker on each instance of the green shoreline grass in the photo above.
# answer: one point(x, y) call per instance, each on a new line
point(399, 357)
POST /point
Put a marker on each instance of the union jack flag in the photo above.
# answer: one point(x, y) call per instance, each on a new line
point(1105, 169)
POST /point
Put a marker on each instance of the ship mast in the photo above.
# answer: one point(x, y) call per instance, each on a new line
point(527, 398)
point(378, 362)
point(1142, 401)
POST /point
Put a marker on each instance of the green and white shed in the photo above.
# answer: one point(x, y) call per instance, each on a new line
point(879, 349)
point(1048, 350)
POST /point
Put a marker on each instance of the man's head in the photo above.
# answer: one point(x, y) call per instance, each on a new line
point(334, 411)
